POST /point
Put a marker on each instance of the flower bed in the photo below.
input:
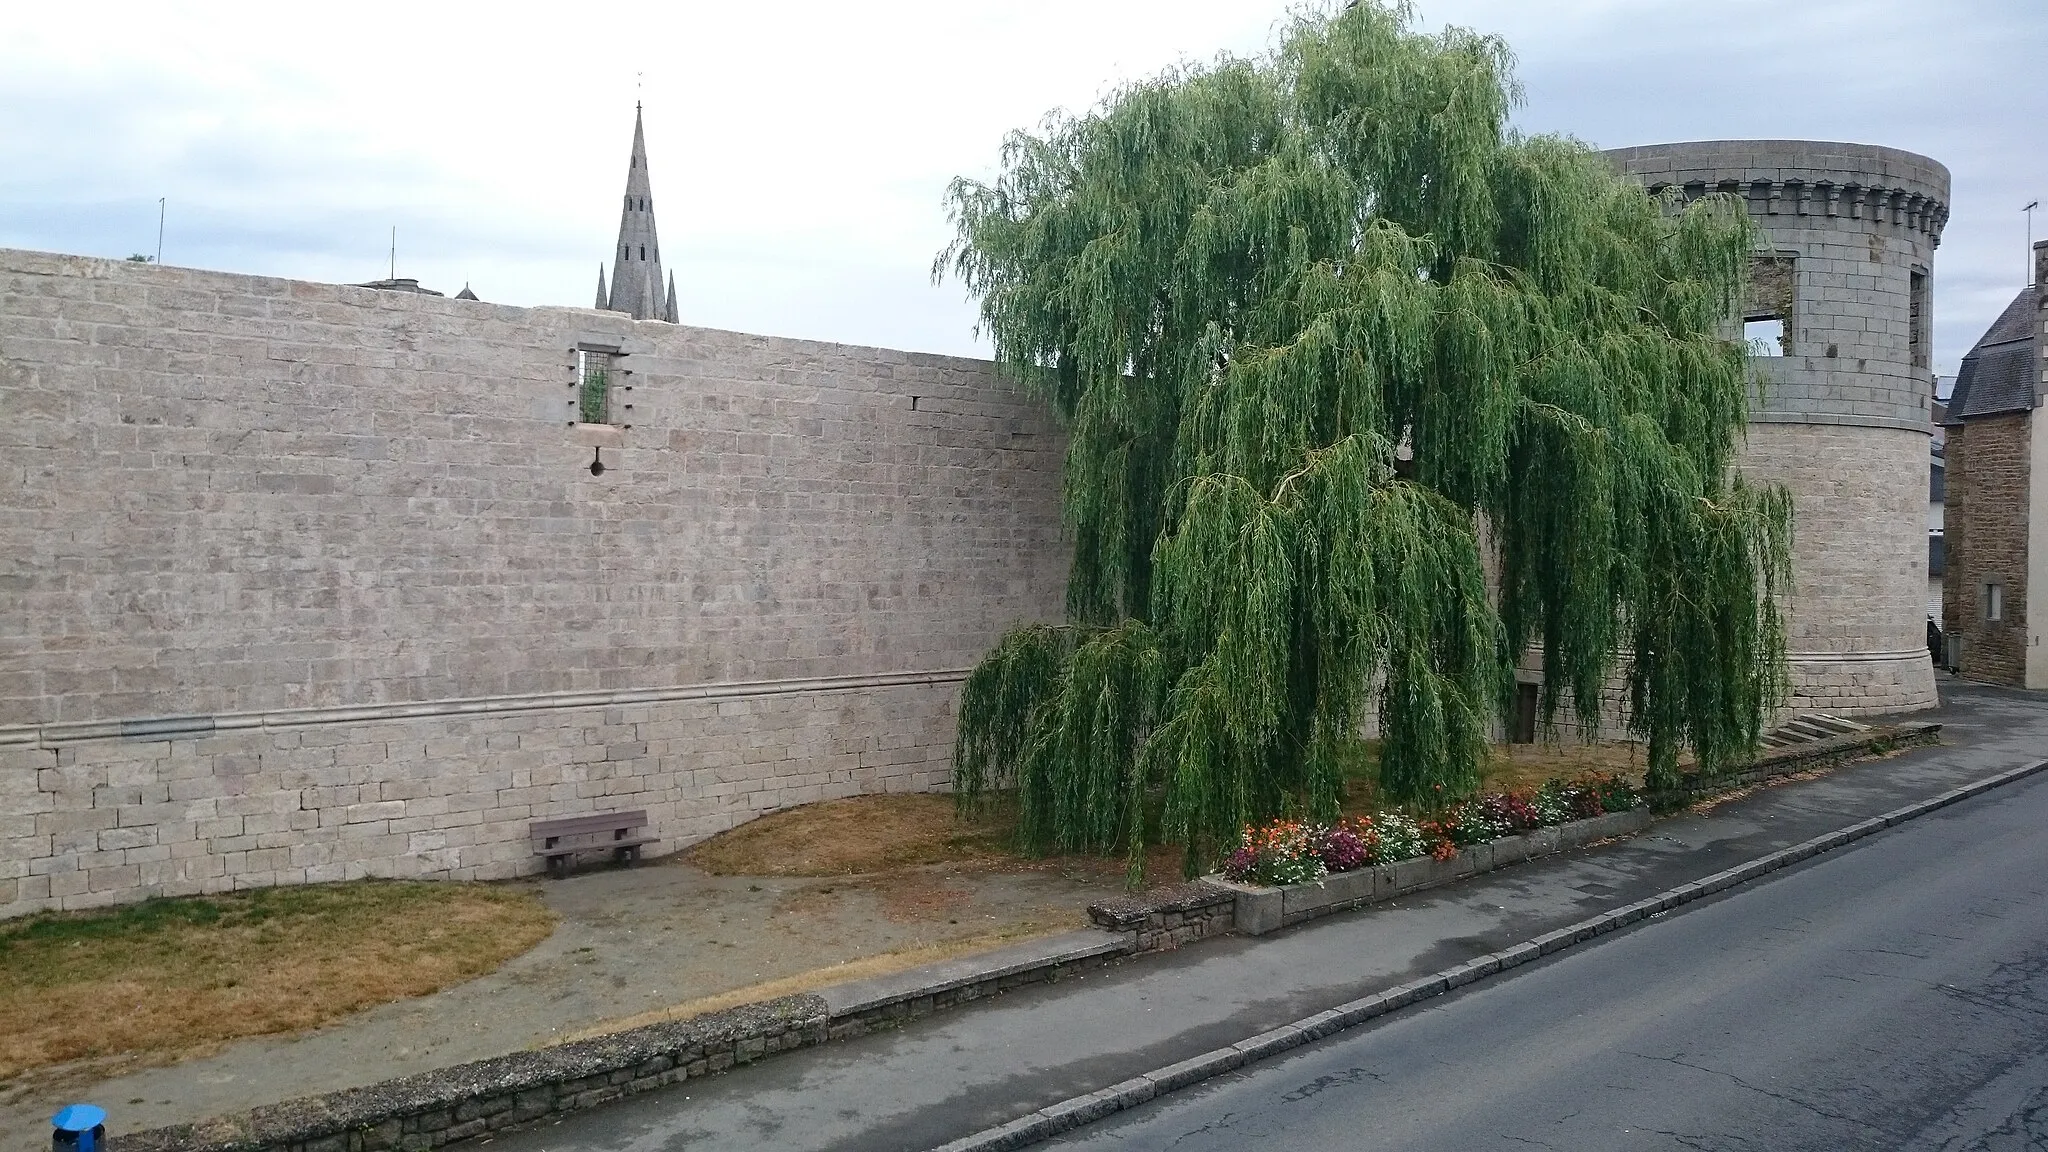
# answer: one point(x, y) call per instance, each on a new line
point(1362, 860)
point(1287, 852)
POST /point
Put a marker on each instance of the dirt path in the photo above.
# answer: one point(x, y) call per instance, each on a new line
point(632, 942)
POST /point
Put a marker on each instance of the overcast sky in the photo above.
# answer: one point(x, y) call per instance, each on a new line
point(799, 149)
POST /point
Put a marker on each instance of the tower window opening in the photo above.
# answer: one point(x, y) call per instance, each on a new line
point(1765, 336)
point(1767, 315)
point(1916, 322)
point(643, 251)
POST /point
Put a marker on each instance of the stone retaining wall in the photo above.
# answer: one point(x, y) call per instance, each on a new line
point(1816, 756)
point(1163, 919)
point(305, 582)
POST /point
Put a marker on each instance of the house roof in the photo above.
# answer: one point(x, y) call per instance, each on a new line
point(1998, 374)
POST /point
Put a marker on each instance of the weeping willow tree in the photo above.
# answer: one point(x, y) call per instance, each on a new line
point(1325, 334)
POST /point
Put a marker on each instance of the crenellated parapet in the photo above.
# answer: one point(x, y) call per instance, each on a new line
point(1887, 187)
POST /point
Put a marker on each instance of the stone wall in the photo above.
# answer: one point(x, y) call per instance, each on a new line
point(1989, 477)
point(307, 581)
point(1857, 621)
point(1842, 417)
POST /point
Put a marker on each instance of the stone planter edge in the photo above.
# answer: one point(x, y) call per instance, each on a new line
point(1261, 910)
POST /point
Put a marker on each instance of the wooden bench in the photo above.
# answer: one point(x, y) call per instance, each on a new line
point(620, 833)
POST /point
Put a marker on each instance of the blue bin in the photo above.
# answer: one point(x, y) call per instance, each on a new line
point(79, 1128)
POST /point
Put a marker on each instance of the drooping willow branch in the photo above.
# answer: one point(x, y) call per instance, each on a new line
point(1310, 319)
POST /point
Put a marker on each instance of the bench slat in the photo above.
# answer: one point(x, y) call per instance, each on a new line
point(586, 844)
point(574, 824)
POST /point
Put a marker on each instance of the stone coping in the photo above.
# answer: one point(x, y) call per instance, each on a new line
point(1075, 948)
point(447, 1104)
point(171, 727)
point(1129, 913)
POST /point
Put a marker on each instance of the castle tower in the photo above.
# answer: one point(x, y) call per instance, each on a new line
point(1841, 298)
point(636, 286)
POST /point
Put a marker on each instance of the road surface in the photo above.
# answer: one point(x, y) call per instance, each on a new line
point(1894, 995)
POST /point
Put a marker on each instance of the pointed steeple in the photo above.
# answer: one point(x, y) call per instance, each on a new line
point(603, 298)
point(636, 261)
point(668, 311)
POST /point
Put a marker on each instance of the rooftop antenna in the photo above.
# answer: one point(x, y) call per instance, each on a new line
point(394, 252)
point(161, 201)
point(2029, 210)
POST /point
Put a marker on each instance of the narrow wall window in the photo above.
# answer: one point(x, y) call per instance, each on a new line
point(593, 386)
point(1767, 316)
point(1916, 321)
point(1994, 602)
point(1765, 337)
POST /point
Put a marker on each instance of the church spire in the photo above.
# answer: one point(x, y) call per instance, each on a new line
point(668, 311)
point(636, 261)
point(604, 299)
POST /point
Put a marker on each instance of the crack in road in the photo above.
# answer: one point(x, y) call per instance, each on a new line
point(1782, 1097)
point(1347, 1078)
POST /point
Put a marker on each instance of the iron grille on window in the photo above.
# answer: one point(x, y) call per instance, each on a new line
point(593, 394)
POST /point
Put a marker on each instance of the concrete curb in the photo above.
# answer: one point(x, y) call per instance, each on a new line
point(1066, 1115)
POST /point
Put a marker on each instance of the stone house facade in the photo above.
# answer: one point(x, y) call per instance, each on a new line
point(1997, 509)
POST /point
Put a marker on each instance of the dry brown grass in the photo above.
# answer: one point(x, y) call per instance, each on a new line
point(169, 977)
point(853, 836)
point(1513, 766)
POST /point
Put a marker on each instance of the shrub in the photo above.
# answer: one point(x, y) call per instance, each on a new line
point(1616, 794)
point(1282, 852)
point(1395, 837)
point(1550, 804)
point(1344, 848)
point(1512, 811)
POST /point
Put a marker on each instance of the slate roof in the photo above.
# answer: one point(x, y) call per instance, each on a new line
point(1998, 375)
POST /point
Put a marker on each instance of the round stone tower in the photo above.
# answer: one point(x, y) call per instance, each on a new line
point(1842, 291)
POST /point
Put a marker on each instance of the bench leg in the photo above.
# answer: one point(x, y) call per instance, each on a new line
point(627, 856)
point(558, 866)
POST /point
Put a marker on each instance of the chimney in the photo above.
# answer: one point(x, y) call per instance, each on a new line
point(2040, 263)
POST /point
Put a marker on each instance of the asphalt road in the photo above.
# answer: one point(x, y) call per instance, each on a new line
point(1894, 995)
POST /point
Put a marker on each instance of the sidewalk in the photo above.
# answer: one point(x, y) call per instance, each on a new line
point(949, 1075)
point(963, 1070)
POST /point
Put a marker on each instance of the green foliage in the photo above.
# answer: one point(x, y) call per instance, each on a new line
point(593, 398)
point(1324, 333)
